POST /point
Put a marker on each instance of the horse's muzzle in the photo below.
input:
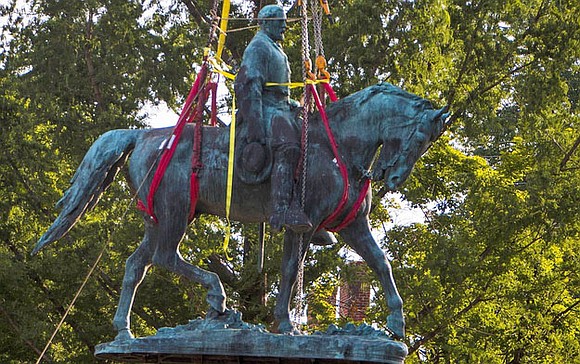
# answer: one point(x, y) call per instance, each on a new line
point(392, 182)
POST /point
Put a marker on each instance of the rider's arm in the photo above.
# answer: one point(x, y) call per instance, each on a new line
point(249, 86)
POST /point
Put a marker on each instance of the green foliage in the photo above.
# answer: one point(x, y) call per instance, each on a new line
point(490, 276)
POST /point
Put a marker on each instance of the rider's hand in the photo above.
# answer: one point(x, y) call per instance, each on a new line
point(293, 104)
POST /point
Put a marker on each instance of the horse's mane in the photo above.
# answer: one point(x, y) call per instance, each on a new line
point(351, 104)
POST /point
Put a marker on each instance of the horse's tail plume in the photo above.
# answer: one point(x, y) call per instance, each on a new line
point(95, 173)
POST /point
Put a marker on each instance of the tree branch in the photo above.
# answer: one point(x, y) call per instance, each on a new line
point(565, 312)
point(442, 327)
point(31, 194)
point(569, 155)
point(58, 308)
point(113, 290)
point(216, 265)
point(17, 331)
point(89, 62)
point(198, 16)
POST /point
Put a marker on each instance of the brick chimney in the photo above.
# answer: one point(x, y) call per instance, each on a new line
point(354, 294)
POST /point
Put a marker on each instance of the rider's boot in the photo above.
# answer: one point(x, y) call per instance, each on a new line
point(286, 211)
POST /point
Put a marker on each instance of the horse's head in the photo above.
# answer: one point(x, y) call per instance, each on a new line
point(410, 130)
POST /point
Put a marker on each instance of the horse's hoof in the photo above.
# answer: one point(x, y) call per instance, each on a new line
point(124, 334)
point(297, 221)
point(293, 219)
point(217, 302)
point(213, 314)
point(323, 238)
point(287, 328)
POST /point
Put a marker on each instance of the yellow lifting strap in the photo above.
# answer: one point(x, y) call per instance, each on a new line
point(230, 178)
point(230, 172)
point(223, 29)
point(219, 69)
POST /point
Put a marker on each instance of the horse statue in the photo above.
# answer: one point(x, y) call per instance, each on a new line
point(404, 124)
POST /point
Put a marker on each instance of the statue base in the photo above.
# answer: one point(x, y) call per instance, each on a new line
point(202, 341)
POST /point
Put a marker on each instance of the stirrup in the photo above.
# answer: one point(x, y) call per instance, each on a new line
point(295, 220)
point(323, 238)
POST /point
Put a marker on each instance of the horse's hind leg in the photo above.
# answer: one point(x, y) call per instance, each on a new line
point(216, 296)
point(167, 256)
point(135, 270)
point(359, 237)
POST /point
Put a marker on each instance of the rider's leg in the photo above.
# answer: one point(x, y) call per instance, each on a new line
point(286, 210)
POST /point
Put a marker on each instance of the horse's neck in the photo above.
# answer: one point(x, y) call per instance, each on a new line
point(357, 137)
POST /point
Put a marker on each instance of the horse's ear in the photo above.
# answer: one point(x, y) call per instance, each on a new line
point(440, 113)
point(445, 117)
point(439, 118)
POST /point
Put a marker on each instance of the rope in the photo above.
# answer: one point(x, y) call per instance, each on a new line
point(72, 302)
point(288, 20)
point(94, 266)
point(214, 23)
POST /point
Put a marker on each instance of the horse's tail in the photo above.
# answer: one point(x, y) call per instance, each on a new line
point(95, 173)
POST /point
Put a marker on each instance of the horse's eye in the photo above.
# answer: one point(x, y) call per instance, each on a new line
point(421, 137)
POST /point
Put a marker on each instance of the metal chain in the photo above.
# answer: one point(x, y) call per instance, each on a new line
point(214, 25)
point(299, 297)
point(317, 24)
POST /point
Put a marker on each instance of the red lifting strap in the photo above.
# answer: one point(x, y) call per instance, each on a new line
point(355, 208)
point(342, 167)
point(187, 115)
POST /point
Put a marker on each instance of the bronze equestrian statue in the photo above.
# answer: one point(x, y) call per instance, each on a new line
point(383, 116)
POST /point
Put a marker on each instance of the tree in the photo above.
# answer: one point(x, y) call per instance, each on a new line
point(491, 275)
point(70, 72)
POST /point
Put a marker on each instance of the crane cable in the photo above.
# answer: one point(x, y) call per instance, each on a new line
point(310, 80)
point(306, 74)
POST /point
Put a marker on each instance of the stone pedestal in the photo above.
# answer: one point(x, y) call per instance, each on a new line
point(200, 343)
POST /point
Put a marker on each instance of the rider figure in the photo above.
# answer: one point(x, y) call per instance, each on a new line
point(268, 111)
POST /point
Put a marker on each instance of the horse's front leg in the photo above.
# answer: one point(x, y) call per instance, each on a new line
point(359, 237)
point(289, 272)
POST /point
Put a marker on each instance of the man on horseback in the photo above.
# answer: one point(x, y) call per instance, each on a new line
point(269, 114)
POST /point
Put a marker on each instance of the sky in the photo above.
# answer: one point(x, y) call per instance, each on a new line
point(160, 116)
